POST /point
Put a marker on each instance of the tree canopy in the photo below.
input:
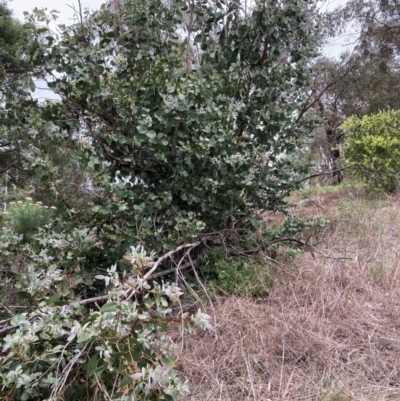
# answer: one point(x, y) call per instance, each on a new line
point(189, 104)
point(11, 31)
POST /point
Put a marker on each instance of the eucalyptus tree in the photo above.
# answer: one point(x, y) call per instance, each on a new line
point(15, 81)
point(363, 81)
point(197, 137)
point(11, 65)
point(373, 82)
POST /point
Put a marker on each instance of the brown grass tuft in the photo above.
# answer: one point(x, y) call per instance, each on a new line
point(328, 331)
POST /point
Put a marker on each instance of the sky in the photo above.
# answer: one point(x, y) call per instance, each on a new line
point(341, 43)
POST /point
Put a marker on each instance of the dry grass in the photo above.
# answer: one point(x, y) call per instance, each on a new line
point(329, 330)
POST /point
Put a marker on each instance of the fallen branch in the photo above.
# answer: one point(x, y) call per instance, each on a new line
point(149, 274)
point(7, 329)
point(174, 269)
point(329, 172)
point(196, 262)
point(306, 245)
point(169, 254)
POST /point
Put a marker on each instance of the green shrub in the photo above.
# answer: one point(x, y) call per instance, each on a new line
point(23, 217)
point(242, 276)
point(76, 350)
point(374, 142)
point(195, 139)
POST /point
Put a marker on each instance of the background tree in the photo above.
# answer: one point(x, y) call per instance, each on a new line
point(15, 80)
point(198, 139)
point(373, 142)
point(360, 82)
point(11, 65)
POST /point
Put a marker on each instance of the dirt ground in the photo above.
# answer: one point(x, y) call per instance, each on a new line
point(329, 329)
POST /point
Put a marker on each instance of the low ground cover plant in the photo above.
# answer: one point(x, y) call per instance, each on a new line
point(24, 216)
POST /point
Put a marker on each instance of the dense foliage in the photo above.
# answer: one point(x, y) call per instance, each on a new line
point(61, 350)
point(176, 125)
point(12, 70)
point(373, 141)
point(11, 65)
point(189, 106)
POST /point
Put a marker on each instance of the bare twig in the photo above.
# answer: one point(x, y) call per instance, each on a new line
point(168, 255)
point(329, 172)
point(7, 329)
point(321, 93)
point(175, 268)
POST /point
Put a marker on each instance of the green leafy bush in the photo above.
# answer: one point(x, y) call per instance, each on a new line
point(25, 216)
point(243, 276)
point(71, 250)
point(61, 349)
point(192, 128)
point(373, 141)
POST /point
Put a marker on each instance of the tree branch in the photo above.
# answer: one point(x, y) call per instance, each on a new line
point(321, 93)
point(329, 172)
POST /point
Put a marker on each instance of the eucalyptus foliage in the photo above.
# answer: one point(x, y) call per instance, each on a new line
point(11, 66)
point(186, 111)
point(14, 74)
point(369, 67)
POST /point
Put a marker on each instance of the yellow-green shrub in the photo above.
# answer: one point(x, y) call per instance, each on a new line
point(25, 216)
point(373, 141)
